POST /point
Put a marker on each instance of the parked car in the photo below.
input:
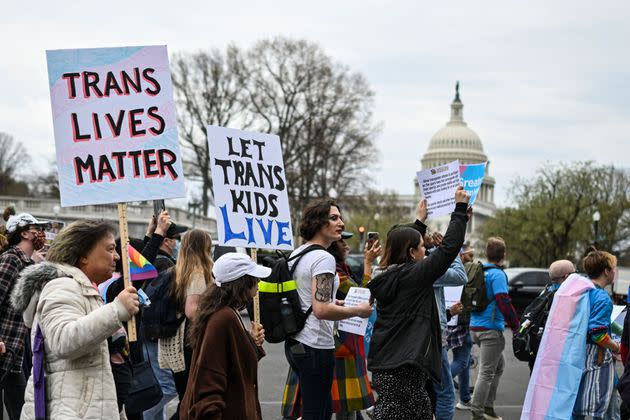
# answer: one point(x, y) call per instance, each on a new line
point(355, 262)
point(525, 284)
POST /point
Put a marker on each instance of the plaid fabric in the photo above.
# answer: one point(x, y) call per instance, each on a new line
point(12, 328)
point(291, 400)
point(346, 281)
point(456, 336)
point(351, 390)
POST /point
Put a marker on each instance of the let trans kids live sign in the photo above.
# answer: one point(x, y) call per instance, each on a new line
point(115, 125)
point(250, 189)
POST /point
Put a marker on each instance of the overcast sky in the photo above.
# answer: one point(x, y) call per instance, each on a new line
point(540, 81)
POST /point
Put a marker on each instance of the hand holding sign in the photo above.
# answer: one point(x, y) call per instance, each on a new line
point(461, 195)
point(421, 210)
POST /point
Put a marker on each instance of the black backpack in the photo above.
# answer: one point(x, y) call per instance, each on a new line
point(526, 341)
point(161, 319)
point(281, 313)
point(474, 295)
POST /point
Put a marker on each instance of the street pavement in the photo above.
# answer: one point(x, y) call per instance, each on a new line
point(272, 371)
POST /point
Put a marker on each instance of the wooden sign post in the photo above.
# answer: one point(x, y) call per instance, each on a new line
point(254, 253)
point(124, 243)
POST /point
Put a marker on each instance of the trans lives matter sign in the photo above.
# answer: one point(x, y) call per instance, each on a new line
point(115, 125)
point(250, 189)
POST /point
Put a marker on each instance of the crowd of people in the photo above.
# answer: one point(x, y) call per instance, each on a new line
point(65, 351)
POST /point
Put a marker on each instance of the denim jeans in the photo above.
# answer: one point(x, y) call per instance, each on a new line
point(445, 391)
point(461, 368)
point(164, 377)
point(315, 368)
point(491, 364)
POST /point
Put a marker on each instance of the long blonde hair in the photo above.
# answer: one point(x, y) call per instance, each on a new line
point(194, 256)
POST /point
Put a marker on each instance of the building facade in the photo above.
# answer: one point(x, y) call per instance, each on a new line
point(457, 141)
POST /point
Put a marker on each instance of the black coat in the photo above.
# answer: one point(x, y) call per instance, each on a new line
point(407, 329)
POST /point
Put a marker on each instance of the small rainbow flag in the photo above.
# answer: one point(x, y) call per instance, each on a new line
point(140, 268)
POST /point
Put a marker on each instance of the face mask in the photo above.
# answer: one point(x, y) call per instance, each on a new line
point(176, 249)
point(39, 240)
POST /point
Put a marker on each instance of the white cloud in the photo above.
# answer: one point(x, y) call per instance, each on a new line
point(540, 80)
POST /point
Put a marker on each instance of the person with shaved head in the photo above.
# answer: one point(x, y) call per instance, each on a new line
point(559, 271)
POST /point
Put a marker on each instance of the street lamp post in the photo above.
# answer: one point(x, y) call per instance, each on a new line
point(596, 218)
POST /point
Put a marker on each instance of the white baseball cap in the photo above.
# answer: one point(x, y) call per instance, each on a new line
point(22, 220)
point(232, 266)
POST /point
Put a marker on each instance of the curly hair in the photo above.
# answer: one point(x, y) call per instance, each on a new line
point(315, 217)
point(77, 240)
point(235, 294)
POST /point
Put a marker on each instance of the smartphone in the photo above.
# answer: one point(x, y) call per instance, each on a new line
point(372, 237)
point(158, 207)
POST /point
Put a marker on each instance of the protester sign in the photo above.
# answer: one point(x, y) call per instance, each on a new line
point(250, 189)
point(452, 295)
point(618, 316)
point(472, 178)
point(115, 125)
point(438, 185)
point(355, 325)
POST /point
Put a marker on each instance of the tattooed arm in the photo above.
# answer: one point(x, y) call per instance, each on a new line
point(324, 306)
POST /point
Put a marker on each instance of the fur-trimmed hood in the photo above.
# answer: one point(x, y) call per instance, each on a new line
point(31, 282)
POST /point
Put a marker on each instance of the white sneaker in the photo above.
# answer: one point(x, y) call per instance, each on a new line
point(463, 405)
point(489, 414)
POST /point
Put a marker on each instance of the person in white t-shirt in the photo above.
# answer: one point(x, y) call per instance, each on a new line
point(311, 352)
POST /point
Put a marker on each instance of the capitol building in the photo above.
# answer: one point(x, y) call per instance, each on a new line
point(457, 141)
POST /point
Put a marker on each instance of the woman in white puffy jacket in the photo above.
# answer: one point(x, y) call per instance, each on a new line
point(60, 298)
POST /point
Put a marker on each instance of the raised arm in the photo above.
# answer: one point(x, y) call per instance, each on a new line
point(435, 265)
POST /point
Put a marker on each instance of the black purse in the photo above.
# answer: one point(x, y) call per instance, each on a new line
point(145, 390)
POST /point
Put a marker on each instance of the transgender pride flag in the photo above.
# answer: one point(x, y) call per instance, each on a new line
point(140, 268)
point(555, 380)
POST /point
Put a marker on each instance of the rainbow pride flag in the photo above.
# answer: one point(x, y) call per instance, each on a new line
point(557, 373)
point(139, 267)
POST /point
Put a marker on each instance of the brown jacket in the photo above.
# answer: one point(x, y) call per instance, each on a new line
point(223, 381)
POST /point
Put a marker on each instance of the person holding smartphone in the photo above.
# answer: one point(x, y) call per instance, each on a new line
point(311, 352)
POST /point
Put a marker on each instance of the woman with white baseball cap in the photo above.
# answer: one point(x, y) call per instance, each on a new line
point(223, 380)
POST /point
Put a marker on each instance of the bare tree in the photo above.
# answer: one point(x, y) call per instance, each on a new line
point(208, 90)
point(321, 111)
point(13, 157)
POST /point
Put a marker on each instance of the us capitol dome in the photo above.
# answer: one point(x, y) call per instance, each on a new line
point(457, 141)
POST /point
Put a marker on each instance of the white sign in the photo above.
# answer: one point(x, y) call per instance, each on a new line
point(115, 125)
point(452, 295)
point(355, 325)
point(250, 189)
point(438, 186)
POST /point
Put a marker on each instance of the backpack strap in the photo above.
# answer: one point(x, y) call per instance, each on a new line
point(297, 259)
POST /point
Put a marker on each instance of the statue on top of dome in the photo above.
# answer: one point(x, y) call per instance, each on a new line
point(457, 92)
